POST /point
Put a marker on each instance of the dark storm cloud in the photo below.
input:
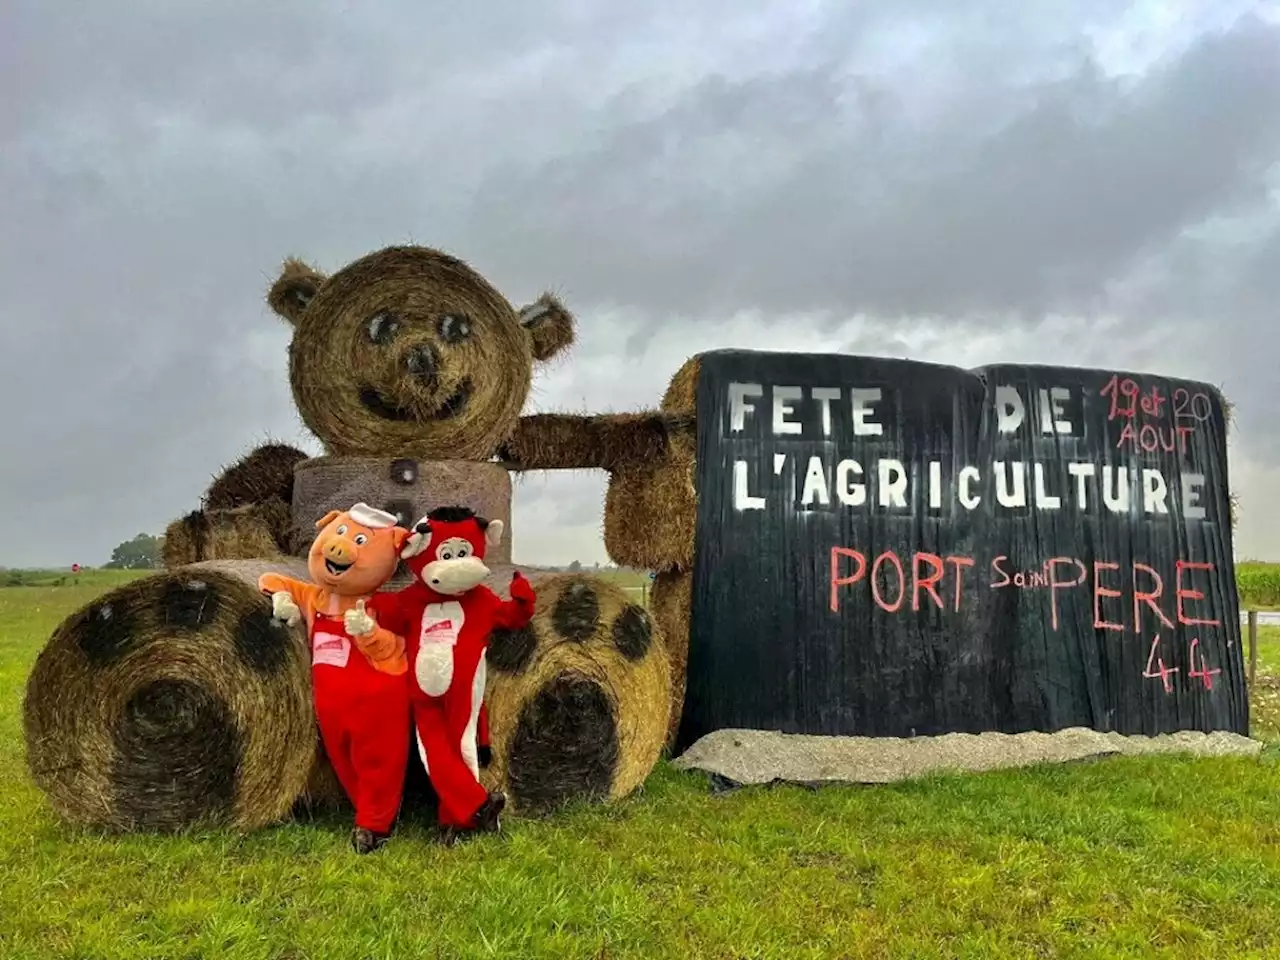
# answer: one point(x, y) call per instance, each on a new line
point(804, 193)
point(920, 166)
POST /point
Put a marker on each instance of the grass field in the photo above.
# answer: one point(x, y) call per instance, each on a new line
point(1126, 857)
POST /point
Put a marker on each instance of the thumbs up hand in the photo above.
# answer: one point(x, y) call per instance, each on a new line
point(358, 621)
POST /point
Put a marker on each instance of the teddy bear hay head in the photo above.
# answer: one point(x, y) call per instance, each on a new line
point(409, 352)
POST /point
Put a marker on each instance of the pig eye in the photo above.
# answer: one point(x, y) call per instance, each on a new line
point(382, 328)
point(342, 530)
point(455, 327)
point(361, 539)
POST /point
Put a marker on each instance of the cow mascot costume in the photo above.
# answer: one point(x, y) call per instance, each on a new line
point(358, 670)
point(446, 616)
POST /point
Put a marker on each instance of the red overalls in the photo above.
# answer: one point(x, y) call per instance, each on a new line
point(364, 723)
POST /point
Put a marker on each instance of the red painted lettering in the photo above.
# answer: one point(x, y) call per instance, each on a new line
point(960, 563)
point(1099, 591)
point(927, 583)
point(1190, 594)
point(1124, 396)
point(999, 569)
point(875, 582)
point(838, 580)
point(1201, 673)
point(1128, 435)
point(1140, 597)
point(1152, 439)
point(1161, 672)
point(1055, 584)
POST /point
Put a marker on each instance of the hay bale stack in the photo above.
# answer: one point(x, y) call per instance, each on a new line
point(671, 604)
point(602, 441)
point(651, 504)
point(262, 475)
point(258, 531)
point(579, 700)
point(404, 487)
point(174, 701)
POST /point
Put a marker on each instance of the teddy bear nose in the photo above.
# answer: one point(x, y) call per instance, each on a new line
point(422, 361)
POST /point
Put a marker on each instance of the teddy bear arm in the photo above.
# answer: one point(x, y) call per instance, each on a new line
point(607, 441)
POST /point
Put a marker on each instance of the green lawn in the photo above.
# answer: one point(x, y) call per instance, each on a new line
point(1126, 857)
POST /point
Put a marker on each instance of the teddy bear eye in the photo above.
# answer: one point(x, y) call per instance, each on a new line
point(455, 327)
point(446, 555)
point(382, 327)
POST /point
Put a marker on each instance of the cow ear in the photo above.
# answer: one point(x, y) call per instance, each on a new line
point(292, 293)
point(549, 325)
point(493, 533)
point(414, 544)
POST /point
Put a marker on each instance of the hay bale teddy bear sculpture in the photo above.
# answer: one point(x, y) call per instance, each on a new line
point(412, 369)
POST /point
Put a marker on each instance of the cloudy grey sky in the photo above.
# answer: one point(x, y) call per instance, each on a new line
point(1095, 183)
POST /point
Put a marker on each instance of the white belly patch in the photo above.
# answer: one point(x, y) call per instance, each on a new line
point(433, 668)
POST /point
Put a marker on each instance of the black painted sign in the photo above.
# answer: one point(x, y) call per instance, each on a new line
point(894, 548)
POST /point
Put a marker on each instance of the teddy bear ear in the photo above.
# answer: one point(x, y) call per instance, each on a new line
point(549, 325)
point(291, 294)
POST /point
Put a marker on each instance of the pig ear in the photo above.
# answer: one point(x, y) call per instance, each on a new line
point(327, 519)
point(399, 535)
point(493, 533)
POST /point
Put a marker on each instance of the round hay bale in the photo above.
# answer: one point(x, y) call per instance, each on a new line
point(257, 531)
point(261, 475)
point(174, 701)
point(405, 487)
point(671, 603)
point(651, 505)
point(410, 352)
point(579, 700)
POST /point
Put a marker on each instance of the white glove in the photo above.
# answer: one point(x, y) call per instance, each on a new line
point(283, 608)
point(358, 622)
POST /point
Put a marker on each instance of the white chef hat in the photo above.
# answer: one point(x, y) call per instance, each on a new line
point(371, 517)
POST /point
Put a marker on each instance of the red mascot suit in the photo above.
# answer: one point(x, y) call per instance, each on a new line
point(358, 671)
point(446, 616)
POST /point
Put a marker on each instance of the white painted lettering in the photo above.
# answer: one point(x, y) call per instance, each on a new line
point(893, 484)
point(739, 407)
point(861, 401)
point(742, 498)
point(784, 399)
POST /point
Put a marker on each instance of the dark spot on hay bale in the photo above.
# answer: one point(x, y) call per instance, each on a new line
point(511, 650)
point(177, 753)
point(262, 643)
point(632, 632)
point(404, 471)
point(106, 631)
point(189, 604)
point(577, 612)
point(565, 746)
point(403, 510)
